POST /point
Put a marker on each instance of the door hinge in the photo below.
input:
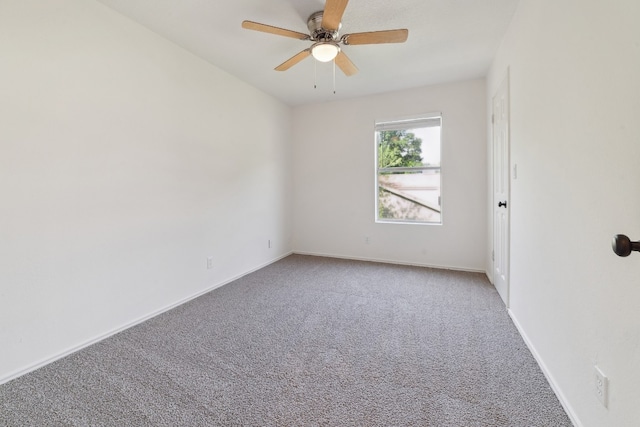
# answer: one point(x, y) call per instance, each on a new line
point(493, 255)
point(493, 119)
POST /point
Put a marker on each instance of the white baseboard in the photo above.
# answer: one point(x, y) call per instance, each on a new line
point(552, 382)
point(18, 373)
point(390, 261)
point(489, 276)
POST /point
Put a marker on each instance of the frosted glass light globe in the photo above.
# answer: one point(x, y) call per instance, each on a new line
point(325, 52)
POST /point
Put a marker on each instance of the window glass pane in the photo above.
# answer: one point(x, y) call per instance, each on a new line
point(408, 179)
point(409, 196)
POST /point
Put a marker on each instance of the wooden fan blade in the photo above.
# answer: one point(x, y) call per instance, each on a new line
point(293, 60)
point(345, 64)
point(332, 15)
point(256, 26)
point(377, 37)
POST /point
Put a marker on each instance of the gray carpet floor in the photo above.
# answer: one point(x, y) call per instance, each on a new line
point(307, 341)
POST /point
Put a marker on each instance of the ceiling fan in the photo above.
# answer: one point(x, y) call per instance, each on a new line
point(324, 27)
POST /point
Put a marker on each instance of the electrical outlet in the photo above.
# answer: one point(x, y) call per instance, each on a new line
point(209, 263)
point(601, 386)
point(269, 243)
point(366, 240)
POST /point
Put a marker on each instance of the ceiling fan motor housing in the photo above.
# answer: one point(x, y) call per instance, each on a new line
point(314, 23)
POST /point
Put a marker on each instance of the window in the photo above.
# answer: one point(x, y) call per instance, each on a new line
point(408, 170)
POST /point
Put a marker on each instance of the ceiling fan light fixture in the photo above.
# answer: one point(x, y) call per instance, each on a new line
point(325, 51)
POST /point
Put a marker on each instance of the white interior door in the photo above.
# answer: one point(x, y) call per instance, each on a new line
point(501, 202)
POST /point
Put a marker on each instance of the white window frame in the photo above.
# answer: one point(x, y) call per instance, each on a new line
point(406, 123)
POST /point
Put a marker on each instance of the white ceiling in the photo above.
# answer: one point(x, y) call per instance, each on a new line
point(449, 40)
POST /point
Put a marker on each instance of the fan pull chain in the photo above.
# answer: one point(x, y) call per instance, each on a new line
point(334, 76)
point(315, 73)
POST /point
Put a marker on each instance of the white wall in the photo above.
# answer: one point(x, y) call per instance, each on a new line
point(124, 162)
point(334, 193)
point(575, 136)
